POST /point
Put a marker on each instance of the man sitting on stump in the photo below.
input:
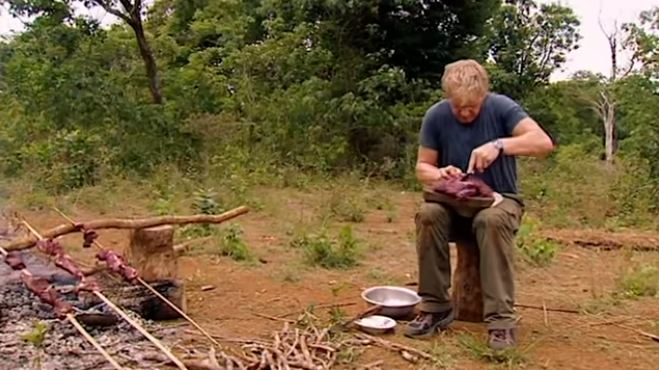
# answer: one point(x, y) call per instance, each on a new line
point(472, 130)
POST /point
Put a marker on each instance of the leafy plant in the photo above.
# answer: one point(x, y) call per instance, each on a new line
point(232, 244)
point(640, 281)
point(511, 358)
point(37, 335)
point(331, 253)
point(536, 251)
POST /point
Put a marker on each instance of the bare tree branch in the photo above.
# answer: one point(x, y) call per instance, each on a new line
point(108, 8)
point(128, 6)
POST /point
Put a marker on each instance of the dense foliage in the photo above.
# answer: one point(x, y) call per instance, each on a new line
point(316, 86)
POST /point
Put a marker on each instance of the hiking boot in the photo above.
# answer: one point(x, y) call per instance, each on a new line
point(426, 323)
point(501, 339)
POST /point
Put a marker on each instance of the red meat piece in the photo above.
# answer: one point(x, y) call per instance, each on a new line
point(464, 186)
point(42, 288)
point(116, 264)
point(14, 260)
point(89, 237)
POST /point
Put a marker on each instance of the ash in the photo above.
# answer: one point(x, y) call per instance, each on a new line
point(31, 337)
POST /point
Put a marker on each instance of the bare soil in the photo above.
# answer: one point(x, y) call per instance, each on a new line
point(601, 336)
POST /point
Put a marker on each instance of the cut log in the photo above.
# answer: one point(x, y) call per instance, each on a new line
point(151, 252)
point(467, 294)
point(120, 223)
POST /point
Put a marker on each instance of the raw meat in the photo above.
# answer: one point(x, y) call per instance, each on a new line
point(14, 260)
point(62, 260)
point(42, 288)
point(116, 264)
point(464, 186)
point(89, 237)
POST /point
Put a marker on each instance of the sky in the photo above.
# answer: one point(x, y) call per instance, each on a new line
point(592, 55)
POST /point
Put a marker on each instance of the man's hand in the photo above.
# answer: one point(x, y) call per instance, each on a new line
point(447, 172)
point(482, 157)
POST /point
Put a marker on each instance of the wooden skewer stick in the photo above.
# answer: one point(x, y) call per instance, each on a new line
point(91, 340)
point(79, 327)
point(121, 313)
point(154, 291)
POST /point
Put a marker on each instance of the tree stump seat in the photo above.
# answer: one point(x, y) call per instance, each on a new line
point(467, 296)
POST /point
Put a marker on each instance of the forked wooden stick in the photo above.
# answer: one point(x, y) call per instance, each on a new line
point(121, 313)
point(122, 223)
point(78, 327)
point(150, 288)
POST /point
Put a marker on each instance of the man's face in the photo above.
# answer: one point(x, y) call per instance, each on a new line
point(466, 109)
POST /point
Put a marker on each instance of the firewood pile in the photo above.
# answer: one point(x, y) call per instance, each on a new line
point(304, 344)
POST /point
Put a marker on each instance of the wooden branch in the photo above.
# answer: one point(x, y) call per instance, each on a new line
point(545, 308)
point(120, 223)
point(108, 8)
point(640, 332)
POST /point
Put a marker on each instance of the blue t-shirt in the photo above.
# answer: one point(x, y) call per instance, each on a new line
point(454, 141)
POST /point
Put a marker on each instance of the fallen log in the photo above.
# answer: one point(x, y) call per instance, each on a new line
point(122, 223)
point(643, 242)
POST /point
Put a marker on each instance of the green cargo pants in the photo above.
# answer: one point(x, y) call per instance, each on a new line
point(494, 230)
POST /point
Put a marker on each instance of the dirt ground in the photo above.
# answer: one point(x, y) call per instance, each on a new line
point(601, 336)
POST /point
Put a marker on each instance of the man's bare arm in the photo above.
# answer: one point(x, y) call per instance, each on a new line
point(528, 139)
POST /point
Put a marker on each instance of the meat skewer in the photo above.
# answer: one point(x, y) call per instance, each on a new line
point(121, 313)
point(116, 264)
point(47, 294)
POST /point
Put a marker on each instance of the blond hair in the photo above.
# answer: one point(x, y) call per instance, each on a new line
point(465, 79)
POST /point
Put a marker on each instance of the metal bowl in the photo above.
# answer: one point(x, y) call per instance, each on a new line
point(376, 324)
point(395, 302)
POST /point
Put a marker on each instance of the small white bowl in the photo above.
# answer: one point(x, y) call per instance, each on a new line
point(376, 324)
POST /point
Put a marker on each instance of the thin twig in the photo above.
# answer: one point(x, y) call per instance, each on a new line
point(320, 307)
point(641, 332)
point(273, 318)
point(564, 310)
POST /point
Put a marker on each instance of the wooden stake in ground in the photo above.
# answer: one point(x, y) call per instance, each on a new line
point(121, 313)
point(99, 246)
point(79, 327)
point(121, 223)
point(151, 252)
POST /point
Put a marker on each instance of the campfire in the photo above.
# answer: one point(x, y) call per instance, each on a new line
point(66, 316)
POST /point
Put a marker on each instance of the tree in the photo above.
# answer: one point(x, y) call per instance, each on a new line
point(419, 36)
point(639, 42)
point(642, 40)
point(527, 43)
point(129, 11)
point(132, 12)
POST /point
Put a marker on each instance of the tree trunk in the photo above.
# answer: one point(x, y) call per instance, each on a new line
point(149, 60)
point(467, 293)
point(608, 139)
point(151, 252)
point(609, 118)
